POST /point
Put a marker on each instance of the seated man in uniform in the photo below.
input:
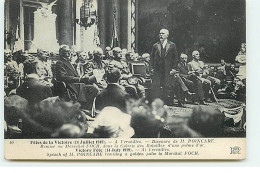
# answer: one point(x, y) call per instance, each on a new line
point(97, 62)
point(124, 52)
point(129, 56)
point(11, 73)
point(124, 70)
point(46, 72)
point(221, 71)
point(8, 59)
point(197, 66)
point(116, 61)
point(108, 54)
point(97, 66)
point(81, 62)
point(231, 72)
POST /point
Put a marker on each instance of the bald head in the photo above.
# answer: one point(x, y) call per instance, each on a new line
point(43, 55)
point(196, 55)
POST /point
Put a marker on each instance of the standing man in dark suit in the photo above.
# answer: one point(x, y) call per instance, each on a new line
point(67, 73)
point(33, 89)
point(164, 58)
point(114, 95)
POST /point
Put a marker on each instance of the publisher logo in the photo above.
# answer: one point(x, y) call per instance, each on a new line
point(235, 150)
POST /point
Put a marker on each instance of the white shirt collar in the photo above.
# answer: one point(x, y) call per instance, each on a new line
point(164, 43)
point(33, 75)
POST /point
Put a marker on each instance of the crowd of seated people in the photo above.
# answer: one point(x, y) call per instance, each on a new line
point(209, 82)
point(47, 97)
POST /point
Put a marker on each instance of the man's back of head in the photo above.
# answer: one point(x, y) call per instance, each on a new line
point(97, 54)
point(30, 66)
point(113, 75)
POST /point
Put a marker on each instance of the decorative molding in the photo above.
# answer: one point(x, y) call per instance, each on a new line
point(133, 24)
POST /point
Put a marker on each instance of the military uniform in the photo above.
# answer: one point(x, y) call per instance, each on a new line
point(45, 73)
point(197, 66)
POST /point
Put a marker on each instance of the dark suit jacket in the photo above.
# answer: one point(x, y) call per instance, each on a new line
point(113, 95)
point(34, 91)
point(170, 62)
point(65, 72)
point(183, 70)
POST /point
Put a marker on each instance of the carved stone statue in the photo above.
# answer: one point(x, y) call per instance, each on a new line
point(45, 29)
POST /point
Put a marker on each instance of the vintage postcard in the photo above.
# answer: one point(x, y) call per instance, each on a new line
point(125, 79)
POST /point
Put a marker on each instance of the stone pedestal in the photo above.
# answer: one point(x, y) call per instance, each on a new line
point(44, 31)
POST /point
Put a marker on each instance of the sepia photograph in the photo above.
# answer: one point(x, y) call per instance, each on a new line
point(125, 79)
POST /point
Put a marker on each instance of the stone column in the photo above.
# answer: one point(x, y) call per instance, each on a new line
point(106, 18)
point(6, 22)
point(124, 23)
point(132, 25)
point(21, 24)
point(78, 28)
point(116, 7)
point(111, 6)
point(65, 22)
point(101, 9)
